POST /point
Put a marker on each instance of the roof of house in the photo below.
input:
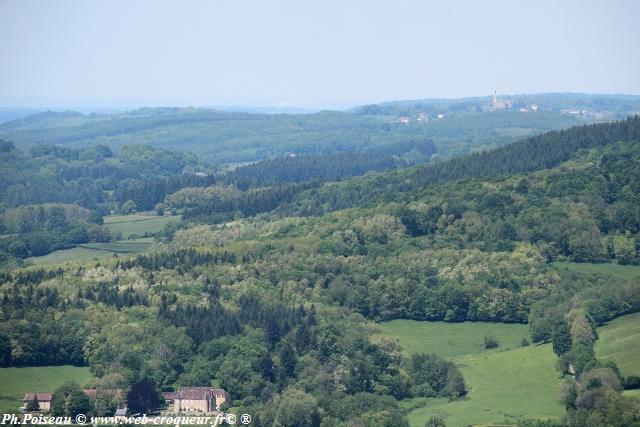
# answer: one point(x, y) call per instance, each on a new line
point(121, 412)
point(169, 395)
point(194, 393)
point(42, 397)
point(199, 393)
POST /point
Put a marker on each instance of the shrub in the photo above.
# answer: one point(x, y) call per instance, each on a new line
point(490, 341)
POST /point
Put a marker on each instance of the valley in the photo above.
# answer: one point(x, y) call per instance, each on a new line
point(467, 290)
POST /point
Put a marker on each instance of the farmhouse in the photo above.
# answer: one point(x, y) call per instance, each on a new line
point(199, 399)
point(44, 400)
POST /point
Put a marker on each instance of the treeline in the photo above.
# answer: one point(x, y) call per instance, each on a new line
point(221, 137)
point(535, 153)
point(95, 178)
point(585, 212)
point(174, 259)
point(329, 167)
point(281, 171)
point(147, 193)
point(30, 333)
point(246, 203)
point(84, 176)
point(39, 230)
point(591, 392)
point(541, 152)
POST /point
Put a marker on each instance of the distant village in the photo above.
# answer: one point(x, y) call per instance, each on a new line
point(496, 104)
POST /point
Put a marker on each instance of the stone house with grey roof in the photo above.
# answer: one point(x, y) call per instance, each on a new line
point(199, 399)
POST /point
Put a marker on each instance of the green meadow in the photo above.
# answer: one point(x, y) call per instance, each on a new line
point(138, 224)
point(452, 339)
point(16, 382)
point(632, 393)
point(93, 251)
point(606, 269)
point(619, 341)
point(505, 384)
point(126, 226)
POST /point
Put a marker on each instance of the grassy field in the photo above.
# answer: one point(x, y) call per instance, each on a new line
point(16, 382)
point(138, 224)
point(504, 384)
point(451, 339)
point(110, 219)
point(613, 270)
point(124, 246)
point(632, 393)
point(126, 225)
point(93, 251)
point(619, 341)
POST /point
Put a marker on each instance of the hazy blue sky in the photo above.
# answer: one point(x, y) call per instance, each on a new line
point(311, 53)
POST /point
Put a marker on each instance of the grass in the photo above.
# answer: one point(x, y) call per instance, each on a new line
point(111, 219)
point(126, 225)
point(617, 271)
point(619, 341)
point(505, 384)
point(632, 393)
point(92, 251)
point(452, 339)
point(138, 224)
point(16, 382)
point(127, 246)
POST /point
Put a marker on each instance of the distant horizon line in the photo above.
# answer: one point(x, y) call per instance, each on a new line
point(128, 104)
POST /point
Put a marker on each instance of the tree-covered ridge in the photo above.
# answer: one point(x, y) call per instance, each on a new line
point(141, 178)
point(52, 173)
point(55, 197)
point(612, 104)
point(535, 153)
point(278, 172)
point(225, 137)
point(330, 167)
point(276, 309)
point(478, 249)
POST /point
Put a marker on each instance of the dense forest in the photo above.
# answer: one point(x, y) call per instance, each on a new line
point(231, 137)
point(77, 187)
point(55, 197)
point(271, 286)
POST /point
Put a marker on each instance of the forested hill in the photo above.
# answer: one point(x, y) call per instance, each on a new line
point(535, 153)
point(614, 105)
point(226, 137)
point(278, 309)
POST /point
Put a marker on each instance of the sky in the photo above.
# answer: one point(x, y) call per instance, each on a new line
point(321, 53)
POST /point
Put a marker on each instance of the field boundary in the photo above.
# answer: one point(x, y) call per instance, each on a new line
point(151, 217)
point(119, 251)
